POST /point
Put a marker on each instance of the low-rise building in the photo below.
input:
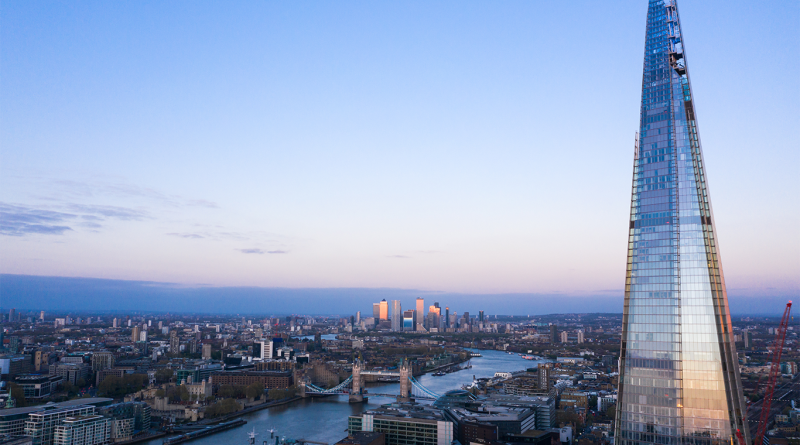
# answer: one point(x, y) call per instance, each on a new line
point(270, 379)
point(37, 386)
point(404, 424)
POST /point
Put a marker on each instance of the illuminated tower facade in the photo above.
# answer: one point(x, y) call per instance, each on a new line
point(679, 373)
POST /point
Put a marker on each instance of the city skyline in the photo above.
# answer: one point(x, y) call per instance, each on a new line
point(153, 169)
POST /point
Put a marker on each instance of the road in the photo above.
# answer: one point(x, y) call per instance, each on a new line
point(782, 398)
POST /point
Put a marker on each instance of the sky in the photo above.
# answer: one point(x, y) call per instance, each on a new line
point(468, 148)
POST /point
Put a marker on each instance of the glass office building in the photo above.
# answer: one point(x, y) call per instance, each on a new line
point(679, 374)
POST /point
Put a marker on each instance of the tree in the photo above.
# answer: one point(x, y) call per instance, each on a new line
point(18, 394)
point(117, 387)
point(611, 412)
point(69, 388)
point(164, 375)
point(81, 382)
point(255, 390)
point(161, 393)
point(184, 393)
point(223, 407)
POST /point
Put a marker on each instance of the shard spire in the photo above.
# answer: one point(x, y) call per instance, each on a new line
point(679, 374)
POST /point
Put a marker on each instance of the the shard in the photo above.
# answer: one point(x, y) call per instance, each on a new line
point(679, 377)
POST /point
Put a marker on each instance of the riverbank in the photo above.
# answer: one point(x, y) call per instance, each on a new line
point(248, 411)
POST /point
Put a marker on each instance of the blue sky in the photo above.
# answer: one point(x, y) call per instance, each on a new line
point(465, 147)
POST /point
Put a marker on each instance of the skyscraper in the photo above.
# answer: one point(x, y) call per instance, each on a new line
point(384, 310)
point(376, 311)
point(679, 375)
point(420, 308)
point(397, 316)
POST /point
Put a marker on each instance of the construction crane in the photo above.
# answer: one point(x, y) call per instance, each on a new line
point(774, 371)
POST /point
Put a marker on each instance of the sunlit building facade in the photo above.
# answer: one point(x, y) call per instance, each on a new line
point(679, 374)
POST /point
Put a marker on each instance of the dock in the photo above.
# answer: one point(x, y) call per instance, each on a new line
point(202, 432)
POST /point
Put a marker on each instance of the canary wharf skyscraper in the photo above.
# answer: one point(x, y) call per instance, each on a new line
point(679, 374)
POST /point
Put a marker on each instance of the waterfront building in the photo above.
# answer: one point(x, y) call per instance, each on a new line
point(405, 423)
point(397, 316)
point(270, 379)
point(127, 419)
point(679, 373)
point(83, 430)
point(41, 425)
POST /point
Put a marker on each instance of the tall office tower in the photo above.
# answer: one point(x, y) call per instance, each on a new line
point(358, 317)
point(135, 334)
point(409, 317)
point(384, 310)
point(679, 373)
point(580, 337)
point(115, 323)
point(480, 316)
point(376, 311)
point(12, 315)
point(447, 317)
point(397, 316)
point(41, 316)
point(434, 316)
point(420, 308)
point(553, 329)
point(467, 321)
point(564, 337)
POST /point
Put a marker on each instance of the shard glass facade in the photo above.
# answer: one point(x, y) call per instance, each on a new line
point(679, 374)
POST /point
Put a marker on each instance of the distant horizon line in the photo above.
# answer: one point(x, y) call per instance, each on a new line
point(86, 294)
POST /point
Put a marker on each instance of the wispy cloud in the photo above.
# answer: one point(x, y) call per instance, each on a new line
point(93, 189)
point(19, 221)
point(187, 235)
point(122, 213)
point(255, 251)
point(397, 256)
point(277, 251)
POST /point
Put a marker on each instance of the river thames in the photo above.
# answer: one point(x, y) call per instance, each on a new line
point(325, 419)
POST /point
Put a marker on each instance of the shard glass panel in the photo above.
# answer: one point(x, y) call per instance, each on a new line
point(679, 376)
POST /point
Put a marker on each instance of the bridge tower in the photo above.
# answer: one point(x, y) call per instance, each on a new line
point(405, 382)
point(356, 395)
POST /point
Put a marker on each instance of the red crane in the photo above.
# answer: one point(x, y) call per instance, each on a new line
point(766, 405)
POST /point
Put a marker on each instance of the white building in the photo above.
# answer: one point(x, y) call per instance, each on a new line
point(83, 430)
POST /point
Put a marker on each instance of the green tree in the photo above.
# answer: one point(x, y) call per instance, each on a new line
point(117, 387)
point(164, 375)
point(81, 382)
point(184, 393)
point(611, 412)
point(223, 407)
point(255, 390)
point(18, 394)
point(161, 393)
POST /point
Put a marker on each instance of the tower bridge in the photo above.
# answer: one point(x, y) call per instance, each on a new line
point(353, 386)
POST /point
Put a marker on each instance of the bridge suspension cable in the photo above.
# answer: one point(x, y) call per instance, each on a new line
point(420, 387)
point(336, 389)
